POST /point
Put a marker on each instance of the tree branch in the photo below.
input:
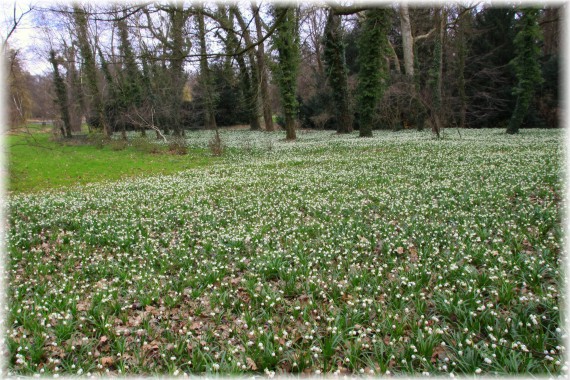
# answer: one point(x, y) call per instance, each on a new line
point(340, 10)
point(424, 36)
point(16, 21)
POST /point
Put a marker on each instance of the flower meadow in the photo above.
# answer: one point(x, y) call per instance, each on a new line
point(395, 255)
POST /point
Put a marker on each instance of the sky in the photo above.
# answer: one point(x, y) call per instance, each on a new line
point(24, 35)
point(28, 39)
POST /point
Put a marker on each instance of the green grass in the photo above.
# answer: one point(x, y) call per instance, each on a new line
point(36, 163)
point(399, 254)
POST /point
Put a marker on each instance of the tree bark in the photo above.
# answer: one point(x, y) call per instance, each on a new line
point(437, 72)
point(337, 72)
point(90, 68)
point(262, 73)
point(76, 108)
point(407, 39)
point(61, 95)
point(394, 57)
point(253, 100)
point(373, 71)
point(209, 106)
point(461, 53)
point(290, 126)
point(178, 19)
point(286, 40)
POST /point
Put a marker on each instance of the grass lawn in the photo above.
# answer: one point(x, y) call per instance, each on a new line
point(398, 254)
point(36, 163)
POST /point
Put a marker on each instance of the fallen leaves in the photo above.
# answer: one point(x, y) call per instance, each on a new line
point(251, 364)
point(303, 298)
point(438, 353)
point(82, 306)
point(196, 326)
point(413, 254)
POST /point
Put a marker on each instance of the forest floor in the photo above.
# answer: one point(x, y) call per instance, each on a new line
point(398, 254)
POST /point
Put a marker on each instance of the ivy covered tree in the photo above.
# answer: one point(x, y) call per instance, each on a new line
point(337, 72)
point(286, 40)
point(90, 70)
point(373, 72)
point(526, 65)
point(61, 95)
point(130, 78)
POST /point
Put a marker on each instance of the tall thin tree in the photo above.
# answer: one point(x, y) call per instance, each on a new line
point(337, 72)
point(252, 94)
point(90, 68)
point(373, 71)
point(262, 71)
point(205, 78)
point(61, 95)
point(286, 40)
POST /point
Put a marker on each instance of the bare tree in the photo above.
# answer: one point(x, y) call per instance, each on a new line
point(209, 97)
point(15, 20)
point(252, 100)
point(262, 71)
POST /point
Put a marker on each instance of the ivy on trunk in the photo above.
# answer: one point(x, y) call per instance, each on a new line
point(286, 40)
point(373, 72)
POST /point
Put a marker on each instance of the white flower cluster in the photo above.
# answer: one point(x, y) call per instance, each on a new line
point(332, 253)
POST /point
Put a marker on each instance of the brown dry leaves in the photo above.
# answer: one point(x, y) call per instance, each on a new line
point(251, 364)
point(412, 253)
point(438, 353)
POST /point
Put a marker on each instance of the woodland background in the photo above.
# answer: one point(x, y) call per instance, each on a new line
point(174, 67)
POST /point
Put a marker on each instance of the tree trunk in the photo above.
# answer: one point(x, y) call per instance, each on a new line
point(75, 91)
point(373, 71)
point(462, 51)
point(61, 93)
point(253, 93)
point(437, 72)
point(518, 115)
point(290, 126)
point(315, 34)
point(262, 73)
point(209, 106)
point(130, 79)
point(177, 65)
point(337, 72)
point(407, 39)
point(90, 68)
point(286, 40)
